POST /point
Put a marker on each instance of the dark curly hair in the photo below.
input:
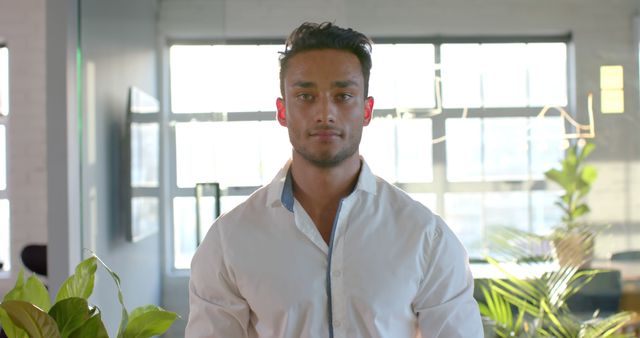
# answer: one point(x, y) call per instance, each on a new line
point(313, 36)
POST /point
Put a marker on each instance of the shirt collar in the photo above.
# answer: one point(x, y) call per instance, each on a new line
point(281, 188)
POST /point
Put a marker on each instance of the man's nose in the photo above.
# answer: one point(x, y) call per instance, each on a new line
point(326, 111)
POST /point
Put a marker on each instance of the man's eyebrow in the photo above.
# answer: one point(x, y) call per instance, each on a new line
point(304, 84)
point(344, 84)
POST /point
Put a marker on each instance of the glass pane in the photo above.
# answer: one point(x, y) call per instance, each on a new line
point(213, 78)
point(429, 200)
point(464, 149)
point(403, 76)
point(3, 158)
point(379, 149)
point(505, 209)
point(463, 214)
point(207, 214)
point(275, 149)
point(415, 150)
point(545, 214)
point(547, 144)
point(505, 149)
point(145, 154)
point(144, 217)
point(4, 81)
point(504, 76)
point(5, 257)
point(223, 152)
point(461, 75)
point(184, 231)
point(547, 74)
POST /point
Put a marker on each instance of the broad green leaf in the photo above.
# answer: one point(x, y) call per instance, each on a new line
point(31, 291)
point(558, 177)
point(580, 210)
point(93, 328)
point(34, 321)
point(124, 318)
point(586, 150)
point(17, 293)
point(80, 284)
point(36, 293)
point(149, 321)
point(70, 314)
point(9, 327)
point(589, 174)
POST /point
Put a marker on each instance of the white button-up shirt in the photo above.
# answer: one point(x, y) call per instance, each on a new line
point(393, 269)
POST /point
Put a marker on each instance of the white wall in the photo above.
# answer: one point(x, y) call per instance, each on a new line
point(22, 28)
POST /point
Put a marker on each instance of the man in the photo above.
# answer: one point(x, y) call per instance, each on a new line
point(327, 249)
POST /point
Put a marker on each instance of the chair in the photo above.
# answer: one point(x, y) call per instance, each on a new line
point(34, 257)
point(602, 293)
point(626, 256)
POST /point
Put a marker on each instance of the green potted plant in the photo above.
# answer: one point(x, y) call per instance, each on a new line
point(26, 310)
point(573, 239)
point(536, 305)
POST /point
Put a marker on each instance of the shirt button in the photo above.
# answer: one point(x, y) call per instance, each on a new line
point(337, 273)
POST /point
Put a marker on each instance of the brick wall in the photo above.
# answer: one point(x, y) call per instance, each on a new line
point(22, 28)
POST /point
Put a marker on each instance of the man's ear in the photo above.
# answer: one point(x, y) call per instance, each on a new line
point(281, 112)
point(368, 110)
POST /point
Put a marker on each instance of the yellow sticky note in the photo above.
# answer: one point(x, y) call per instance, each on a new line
point(612, 101)
point(611, 77)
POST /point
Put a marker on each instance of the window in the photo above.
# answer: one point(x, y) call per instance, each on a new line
point(481, 99)
point(4, 200)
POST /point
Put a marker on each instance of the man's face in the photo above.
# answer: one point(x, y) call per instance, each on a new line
point(324, 107)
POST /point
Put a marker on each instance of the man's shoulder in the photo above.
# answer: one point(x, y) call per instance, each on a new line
point(397, 198)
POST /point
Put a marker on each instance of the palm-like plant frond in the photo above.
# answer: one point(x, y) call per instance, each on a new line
point(543, 297)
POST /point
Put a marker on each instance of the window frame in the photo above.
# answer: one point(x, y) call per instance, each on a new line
point(4, 193)
point(439, 184)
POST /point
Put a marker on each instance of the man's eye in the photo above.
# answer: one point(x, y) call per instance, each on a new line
point(305, 97)
point(343, 97)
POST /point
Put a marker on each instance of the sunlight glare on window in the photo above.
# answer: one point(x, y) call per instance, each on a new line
point(402, 76)
point(184, 231)
point(227, 153)
point(378, 147)
point(547, 144)
point(504, 76)
point(464, 149)
point(464, 214)
point(461, 75)
point(506, 149)
point(4, 81)
point(547, 73)
point(415, 150)
point(545, 213)
point(224, 78)
point(275, 149)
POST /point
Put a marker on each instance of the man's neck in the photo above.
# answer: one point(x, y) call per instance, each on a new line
point(320, 185)
point(319, 190)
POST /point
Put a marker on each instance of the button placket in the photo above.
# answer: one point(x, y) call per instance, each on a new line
point(337, 276)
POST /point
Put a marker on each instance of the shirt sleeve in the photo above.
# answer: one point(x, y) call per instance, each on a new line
point(445, 306)
point(216, 308)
